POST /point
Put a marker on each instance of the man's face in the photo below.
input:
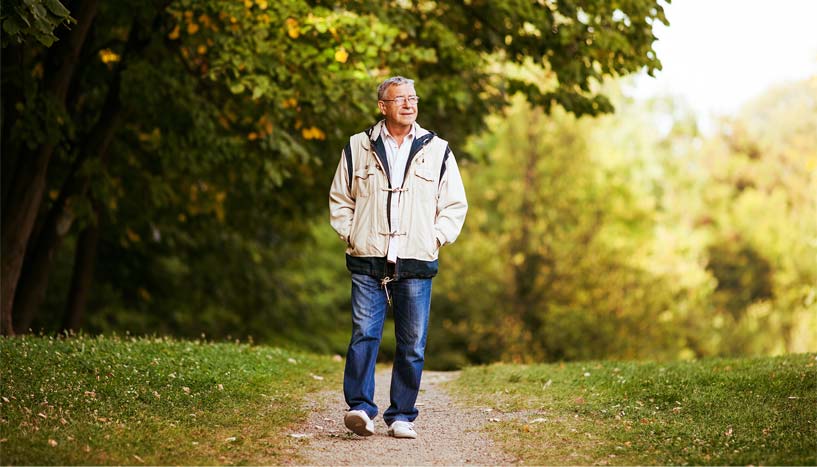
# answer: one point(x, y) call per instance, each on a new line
point(399, 114)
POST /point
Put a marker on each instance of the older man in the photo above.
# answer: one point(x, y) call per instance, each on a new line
point(396, 198)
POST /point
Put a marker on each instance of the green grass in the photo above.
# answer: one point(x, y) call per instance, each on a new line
point(132, 401)
point(760, 411)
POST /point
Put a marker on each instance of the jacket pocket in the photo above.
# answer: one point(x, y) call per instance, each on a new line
point(425, 183)
point(424, 173)
point(364, 179)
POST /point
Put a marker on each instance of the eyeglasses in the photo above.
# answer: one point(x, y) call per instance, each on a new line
point(402, 100)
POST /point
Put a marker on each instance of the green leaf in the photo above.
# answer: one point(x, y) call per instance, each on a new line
point(45, 39)
point(57, 8)
point(11, 26)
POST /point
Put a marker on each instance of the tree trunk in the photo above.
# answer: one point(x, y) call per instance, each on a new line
point(82, 277)
point(18, 220)
point(40, 254)
point(26, 190)
point(36, 268)
point(46, 239)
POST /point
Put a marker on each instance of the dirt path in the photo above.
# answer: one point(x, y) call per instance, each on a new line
point(447, 434)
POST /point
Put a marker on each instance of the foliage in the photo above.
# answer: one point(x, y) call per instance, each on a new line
point(37, 19)
point(760, 217)
point(564, 239)
point(226, 119)
point(122, 400)
point(625, 236)
point(620, 238)
point(708, 412)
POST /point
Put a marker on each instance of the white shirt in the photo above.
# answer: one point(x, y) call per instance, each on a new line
point(398, 157)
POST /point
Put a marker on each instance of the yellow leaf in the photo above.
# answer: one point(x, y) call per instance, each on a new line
point(132, 236)
point(262, 4)
point(108, 56)
point(293, 30)
point(252, 136)
point(341, 55)
point(192, 28)
point(202, 49)
point(313, 133)
point(248, 4)
point(174, 34)
point(53, 194)
point(37, 71)
point(290, 103)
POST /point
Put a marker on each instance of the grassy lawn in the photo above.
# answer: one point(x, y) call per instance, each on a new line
point(760, 411)
point(152, 401)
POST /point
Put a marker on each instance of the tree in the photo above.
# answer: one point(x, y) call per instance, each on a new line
point(762, 221)
point(553, 263)
point(246, 104)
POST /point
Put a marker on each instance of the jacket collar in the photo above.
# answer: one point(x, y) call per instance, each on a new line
point(374, 131)
point(374, 134)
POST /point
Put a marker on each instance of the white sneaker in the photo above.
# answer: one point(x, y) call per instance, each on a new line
point(402, 429)
point(359, 422)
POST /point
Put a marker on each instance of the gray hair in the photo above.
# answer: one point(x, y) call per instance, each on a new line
point(393, 81)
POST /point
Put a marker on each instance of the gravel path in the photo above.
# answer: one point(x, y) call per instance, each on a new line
point(447, 434)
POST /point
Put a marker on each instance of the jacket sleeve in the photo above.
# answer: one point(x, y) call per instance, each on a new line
point(451, 204)
point(341, 202)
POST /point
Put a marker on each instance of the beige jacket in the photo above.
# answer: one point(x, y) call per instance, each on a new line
point(432, 204)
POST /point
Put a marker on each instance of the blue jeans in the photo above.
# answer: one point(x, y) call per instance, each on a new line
point(411, 304)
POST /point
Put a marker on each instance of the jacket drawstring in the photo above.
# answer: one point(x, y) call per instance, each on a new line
point(384, 283)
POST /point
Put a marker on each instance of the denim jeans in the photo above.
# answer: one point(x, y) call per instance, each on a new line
point(411, 304)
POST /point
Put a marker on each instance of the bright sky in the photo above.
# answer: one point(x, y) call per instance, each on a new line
point(719, 54)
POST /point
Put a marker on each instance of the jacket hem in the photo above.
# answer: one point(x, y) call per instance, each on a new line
point(406, 268)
